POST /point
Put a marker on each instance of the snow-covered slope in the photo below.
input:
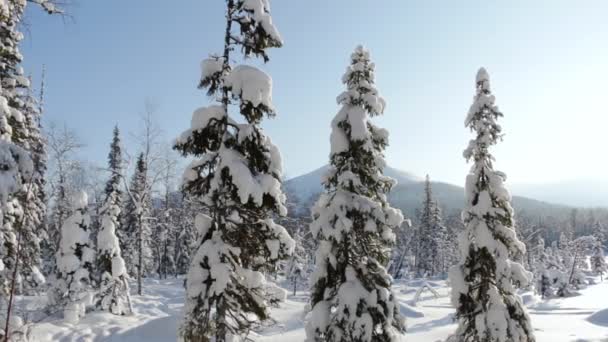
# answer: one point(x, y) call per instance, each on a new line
point(159, 310)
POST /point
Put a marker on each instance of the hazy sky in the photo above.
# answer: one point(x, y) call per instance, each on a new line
point(548, 62)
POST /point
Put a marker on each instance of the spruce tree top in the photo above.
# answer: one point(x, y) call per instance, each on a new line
point(114, 163)
point(487, 199)
point(357, 145)
point(227, 147)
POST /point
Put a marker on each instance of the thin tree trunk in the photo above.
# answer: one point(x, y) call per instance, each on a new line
point(12, 289)
point(175, 253)
point(573, 268)
point(220, 309)
point(140, 256)
point(221, 322)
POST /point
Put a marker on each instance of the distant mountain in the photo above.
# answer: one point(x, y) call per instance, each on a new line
point(309, 185)
point(407, 195)
point(306, 188)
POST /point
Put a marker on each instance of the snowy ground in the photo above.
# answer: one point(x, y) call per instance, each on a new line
point(578, 319)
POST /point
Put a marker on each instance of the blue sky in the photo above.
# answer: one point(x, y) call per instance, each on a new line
point(548, 61)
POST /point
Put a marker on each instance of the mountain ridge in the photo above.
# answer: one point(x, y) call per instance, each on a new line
point(407, 195)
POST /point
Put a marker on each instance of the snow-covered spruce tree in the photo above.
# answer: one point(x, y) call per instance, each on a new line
point(441, 262)
point(541, 264)
point(351, 294)
point(426, 239)
point(75, 259)
point(598, 260)
point(19, 125)
point(113, 286)
point(599, 232)
point(136, 232)
point(296, 267)
point(33, 198)
point(185, 239)
point(236, 176)
point(432, 236)
point(453, 227)
point(483, 283)
point(16, 168)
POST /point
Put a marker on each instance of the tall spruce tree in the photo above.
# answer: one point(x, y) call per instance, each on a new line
point(19, 242)
point(351, 296)
point(424, 262)
point(443, 259)
point(484, 282)
point(136, 233)
point(113, 285)
point(433, 255)
point(598, 260)
point(236, 176)
point(33, 198)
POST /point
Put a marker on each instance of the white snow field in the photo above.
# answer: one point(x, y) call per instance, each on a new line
point(582, 318)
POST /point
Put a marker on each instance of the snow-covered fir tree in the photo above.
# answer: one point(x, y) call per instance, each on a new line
point(19, 243)
point(351, 294)
point(484, 282)
point(236, 177)
point(599, 232)
point(16, 168)
point(297, 265)
point(75, 263)
point(427, 246)
point(442, 262)
point(33, 197)
point(598, 260)
point(453, 227)
point(186, 235)
point(113, 285)
point(432, 235)
point(19, 124)
point(540, 268)
point(136, 233)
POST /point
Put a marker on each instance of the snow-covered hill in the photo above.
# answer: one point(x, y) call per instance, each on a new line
point(407, 195)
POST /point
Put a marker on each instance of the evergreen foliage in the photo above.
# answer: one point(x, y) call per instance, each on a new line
point(351, 294)
point(484, 282)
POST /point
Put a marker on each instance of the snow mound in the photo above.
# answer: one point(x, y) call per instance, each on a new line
point(251, 84)
point(409, 312)
point(530, 299)
point(599, 318)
